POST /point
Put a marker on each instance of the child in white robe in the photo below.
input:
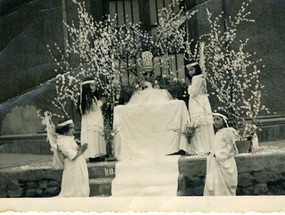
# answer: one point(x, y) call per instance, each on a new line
point(222, 176)
point(92, 122)
point(75, 179)
point(200, 111)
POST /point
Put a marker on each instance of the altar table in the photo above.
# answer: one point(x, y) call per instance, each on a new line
point(148, 130)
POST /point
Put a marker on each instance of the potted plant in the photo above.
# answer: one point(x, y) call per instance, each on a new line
point(248, 138)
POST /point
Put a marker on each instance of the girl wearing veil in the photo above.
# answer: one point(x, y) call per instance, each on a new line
point(92, 123)
point(200, 111)
point(222, 176)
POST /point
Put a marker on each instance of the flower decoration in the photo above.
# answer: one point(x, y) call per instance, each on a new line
point(247, 130)
point(188, 131)
point(108, 132)
point(108, 53)
point(232, 71)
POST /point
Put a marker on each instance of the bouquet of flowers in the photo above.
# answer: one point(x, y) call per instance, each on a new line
point(188, 131)
point(109, 133)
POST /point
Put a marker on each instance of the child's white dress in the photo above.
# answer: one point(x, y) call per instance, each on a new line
point(92, 131)
point(222, 176)
point(75, 179)
point(201, 115)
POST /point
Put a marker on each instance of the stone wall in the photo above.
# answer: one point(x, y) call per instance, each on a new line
point(29, 26)
point(258, 174)
point(25, 144)
point(30, 183)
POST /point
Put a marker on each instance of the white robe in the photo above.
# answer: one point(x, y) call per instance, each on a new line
point(222, 176)
point(75, 179)
point(200, 115)
point(92, 128)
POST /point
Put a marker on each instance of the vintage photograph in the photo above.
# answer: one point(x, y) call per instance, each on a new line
point(142, 105)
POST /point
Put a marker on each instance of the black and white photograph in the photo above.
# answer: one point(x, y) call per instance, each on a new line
point(142, 105)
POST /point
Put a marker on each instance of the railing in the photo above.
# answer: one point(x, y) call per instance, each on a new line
point(175, 65)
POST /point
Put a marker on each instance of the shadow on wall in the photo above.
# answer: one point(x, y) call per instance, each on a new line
point(21, 120)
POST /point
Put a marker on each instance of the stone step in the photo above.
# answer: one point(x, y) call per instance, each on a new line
point(100, 186)
point(101, 169)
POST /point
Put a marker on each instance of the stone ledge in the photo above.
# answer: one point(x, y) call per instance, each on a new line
point(26, 143)
point(258, 174)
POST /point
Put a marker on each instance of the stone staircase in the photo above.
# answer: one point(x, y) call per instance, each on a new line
point(101, 175)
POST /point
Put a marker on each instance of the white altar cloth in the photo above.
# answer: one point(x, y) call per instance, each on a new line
point(150, 96)
point(146, 135)
point(147, 131)
point(146, 177)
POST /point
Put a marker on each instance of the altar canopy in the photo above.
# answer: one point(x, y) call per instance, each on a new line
point(146, 136)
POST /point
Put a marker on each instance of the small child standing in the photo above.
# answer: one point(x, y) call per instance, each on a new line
point(222, 176)
point(75, 179)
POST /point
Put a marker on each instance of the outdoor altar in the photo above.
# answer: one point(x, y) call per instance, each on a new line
point(146, 125)
point(146, 137)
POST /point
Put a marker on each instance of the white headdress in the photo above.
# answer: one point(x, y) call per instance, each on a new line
point(188, 66)
point(67, 122)
point(88, 82)
point(223, 117)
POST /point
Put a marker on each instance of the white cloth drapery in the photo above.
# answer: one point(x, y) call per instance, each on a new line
point(146, 135)
point(146, 177)
point(149, 130)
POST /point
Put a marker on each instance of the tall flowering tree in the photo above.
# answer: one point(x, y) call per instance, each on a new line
point(233, 72)
point(92, 50)
point(104, 51)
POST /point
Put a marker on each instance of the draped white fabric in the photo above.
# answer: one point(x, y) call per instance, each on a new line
point(149, 130)
point(146, 136)
point(143, 177)
point(150, 96)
